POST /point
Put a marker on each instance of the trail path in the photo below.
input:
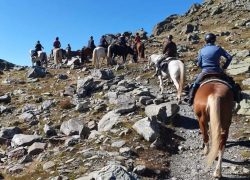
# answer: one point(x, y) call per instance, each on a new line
point(189, 163)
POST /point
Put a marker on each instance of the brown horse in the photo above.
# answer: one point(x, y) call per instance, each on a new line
point(140, 50)
point(214, 102)
point(86, 53)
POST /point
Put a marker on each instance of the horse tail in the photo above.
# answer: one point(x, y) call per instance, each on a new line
point(213, 106)
point(109, 51)
point(182, 74)
point(94, 57)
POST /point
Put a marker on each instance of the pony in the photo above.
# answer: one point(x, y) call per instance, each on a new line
point(140, 50)
point(118, 50)
point(175, 68)
point(58, 56)
point(214, 102)
point(98, 53)
point(41, 58)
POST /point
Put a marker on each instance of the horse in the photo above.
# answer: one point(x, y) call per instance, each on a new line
point(98, 53)
point(214, 102)
point(140, 50)
point(118, 50)
point(40, 59)
point(58, 56)
point(86, 53)
point(175, 68)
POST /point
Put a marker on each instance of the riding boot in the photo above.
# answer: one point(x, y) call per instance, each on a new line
point(237, 93)
point(192, 95)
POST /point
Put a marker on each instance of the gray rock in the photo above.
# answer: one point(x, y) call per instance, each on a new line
point(48, 165)
point(49, 131)
point(82, 106)
point(69, 91)
point(27, 116)
point(71, 141)
point(108, 121)
point(246, 82)
point(194, 8)
point(126, 108)
point(46, 105)
point(188, 29)
point(17, 152)
point(245, 104)
point(36, 148)
point(110, 172)
point(236, 68)
point(74, 127)
point(25, 140)
point(62, 76)
point(105, 74)
point(5, 98)
point(216, 10)
point(85, 86)
point(36, 72)
point(9, 132)
point(118, 143)
point(149, 129)
point(243, 53)
point(18, 168)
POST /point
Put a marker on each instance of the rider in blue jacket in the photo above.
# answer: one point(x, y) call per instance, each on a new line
point(209, 62)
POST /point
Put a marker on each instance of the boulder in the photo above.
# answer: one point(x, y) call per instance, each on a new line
point(5, 99)
point(149, 129)
point(105, 74)
point(36, 72)
point(108, 121)
point(9, 132)
point(113, 171)
point(85, 86)
point(36, 148)
point(245, 104)
point(24, 140)
point(74, 127)
point(236, 68)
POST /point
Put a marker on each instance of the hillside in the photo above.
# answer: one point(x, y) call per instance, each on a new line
point(80, 122)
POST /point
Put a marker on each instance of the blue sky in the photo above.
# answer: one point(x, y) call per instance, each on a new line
point(23, 22)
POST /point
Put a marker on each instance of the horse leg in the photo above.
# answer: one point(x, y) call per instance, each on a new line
point(224, 136)
point(204, 131)
point(161, 83)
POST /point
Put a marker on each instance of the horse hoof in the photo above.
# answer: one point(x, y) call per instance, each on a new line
point(217, 174)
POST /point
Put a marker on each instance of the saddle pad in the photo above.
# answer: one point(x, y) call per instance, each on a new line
point(216, 80)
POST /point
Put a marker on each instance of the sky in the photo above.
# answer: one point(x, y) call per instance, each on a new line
point(24, 22)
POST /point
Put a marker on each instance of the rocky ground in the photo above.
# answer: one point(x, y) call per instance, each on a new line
point(81, 123)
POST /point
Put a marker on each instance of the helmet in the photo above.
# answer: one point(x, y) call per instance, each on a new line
point(210, 38)
point(170, 37)
point(57, 38)
point(91, 37)
point(38, 42)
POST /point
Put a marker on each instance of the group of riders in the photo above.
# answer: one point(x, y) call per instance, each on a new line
point(208, 59)
point(119, 39)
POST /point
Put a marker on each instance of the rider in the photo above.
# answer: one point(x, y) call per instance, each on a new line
point(38, 47)
point(103, 42)
point(122, 40)
point(57, 43)
point(91, 43)
point(169, 50)
point(137, 38)
point(68, 50)
point(209, 61)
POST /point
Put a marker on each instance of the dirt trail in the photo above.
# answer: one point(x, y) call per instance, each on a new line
point(189, 162)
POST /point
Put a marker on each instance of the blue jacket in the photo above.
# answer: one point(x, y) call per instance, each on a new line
point(209, 58)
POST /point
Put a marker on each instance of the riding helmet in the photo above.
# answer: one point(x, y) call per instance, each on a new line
point(210, 38)
point(170, 37)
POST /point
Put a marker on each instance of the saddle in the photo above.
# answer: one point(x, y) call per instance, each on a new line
point(216, 77)
point(164, 63)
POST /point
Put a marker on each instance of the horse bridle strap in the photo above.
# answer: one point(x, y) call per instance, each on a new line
point(216, 80)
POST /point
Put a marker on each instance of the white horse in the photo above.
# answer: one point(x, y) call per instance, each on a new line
point(176, 71)
point(41, 58)
point(98, 53)
point(58, 56)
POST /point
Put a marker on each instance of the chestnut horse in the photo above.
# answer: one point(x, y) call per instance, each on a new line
point(140, 50)
point(214, 102)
